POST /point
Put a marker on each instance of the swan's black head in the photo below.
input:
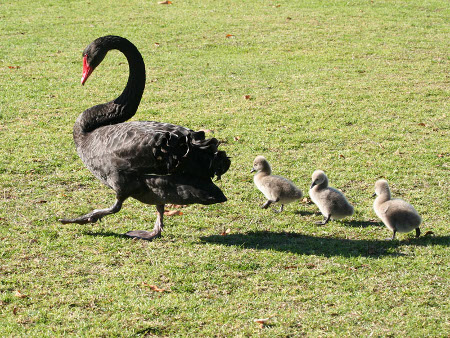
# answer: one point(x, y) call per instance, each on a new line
point(94, 54)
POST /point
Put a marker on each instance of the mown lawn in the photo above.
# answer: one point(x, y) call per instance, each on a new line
point(359, 89)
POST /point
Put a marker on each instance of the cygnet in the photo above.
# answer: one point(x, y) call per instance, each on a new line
point(396, 214)
point(275, 188)
point(331, 202)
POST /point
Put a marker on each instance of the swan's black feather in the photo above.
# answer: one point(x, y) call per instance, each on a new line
point(123, 155)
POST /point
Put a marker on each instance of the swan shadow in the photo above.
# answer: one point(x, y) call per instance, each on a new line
point(305, 213)
point(105, 234)
point(362, 224)
point(325, 246)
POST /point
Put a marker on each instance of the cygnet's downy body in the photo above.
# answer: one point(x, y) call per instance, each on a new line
point(331, 202)
point(396, 214)
point(275, 188)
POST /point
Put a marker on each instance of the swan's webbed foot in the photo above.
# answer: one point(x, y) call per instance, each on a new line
point(95, 215)
point(88, 218)
point(142, 234)
point(155, 233)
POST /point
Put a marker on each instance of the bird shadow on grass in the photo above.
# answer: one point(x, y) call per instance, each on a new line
point(362, 224)
point(104, 234)
point(323, 246)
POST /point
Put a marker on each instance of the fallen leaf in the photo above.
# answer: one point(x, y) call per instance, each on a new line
point(154, 287)
point(41, 201)
point(165, 2)
point(422, 124)
point(15, 311)
point(290, 267)
point(428, 233)
point(341, 156)
point(236, 138)
point(288, 18)
point(263, 321)
point(14, 67)
point(176, 206)
point(247, 97)
point(305, 200)
point(172, 213)
point(225, 232)
point(18, 294)
point(156, 44)
point(229, 36)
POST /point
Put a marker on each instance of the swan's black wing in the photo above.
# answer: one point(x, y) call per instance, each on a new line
point(146, 148)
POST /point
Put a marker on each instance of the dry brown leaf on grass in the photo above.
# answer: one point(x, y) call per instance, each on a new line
point(305, 200)
point(263, 321)
point(247, 97)
point(19, 294)
point(14, 310)
point(225, 232)
point(172, 213)
point(154, 287)
point(165, 2)
point(176, 206)
point(229, 36)
point(236, 138)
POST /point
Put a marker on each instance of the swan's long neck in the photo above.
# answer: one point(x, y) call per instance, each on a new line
point(124, 107)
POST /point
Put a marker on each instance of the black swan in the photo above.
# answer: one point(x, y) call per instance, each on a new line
point(153, 162)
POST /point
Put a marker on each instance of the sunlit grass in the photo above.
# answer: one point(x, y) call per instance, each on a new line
point(356, 88)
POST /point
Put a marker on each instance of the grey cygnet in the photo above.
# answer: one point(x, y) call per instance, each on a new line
point(331, 202)
point(275, 188)
point(397, 214)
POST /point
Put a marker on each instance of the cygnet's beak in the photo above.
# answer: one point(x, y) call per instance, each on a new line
point(312, 185)
point(253, 170)
point(374, 194)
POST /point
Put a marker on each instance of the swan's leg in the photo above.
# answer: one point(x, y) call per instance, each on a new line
point(325, 220)
point(95, 215)
point(417, 232)
point(156, 232)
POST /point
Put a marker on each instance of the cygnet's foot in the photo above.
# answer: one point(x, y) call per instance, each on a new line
point(325, 220)
point(142, 234)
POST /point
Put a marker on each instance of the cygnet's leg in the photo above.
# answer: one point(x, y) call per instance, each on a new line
point(393, 234)
point(325, 220)
point(281, 209)
point(266, 205)
point(95, 215)
point(156, 232)
point(417, 232)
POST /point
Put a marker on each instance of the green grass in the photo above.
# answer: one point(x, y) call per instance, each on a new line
point(359, 89)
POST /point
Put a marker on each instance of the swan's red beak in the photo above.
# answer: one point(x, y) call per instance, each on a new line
point(87, 70)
